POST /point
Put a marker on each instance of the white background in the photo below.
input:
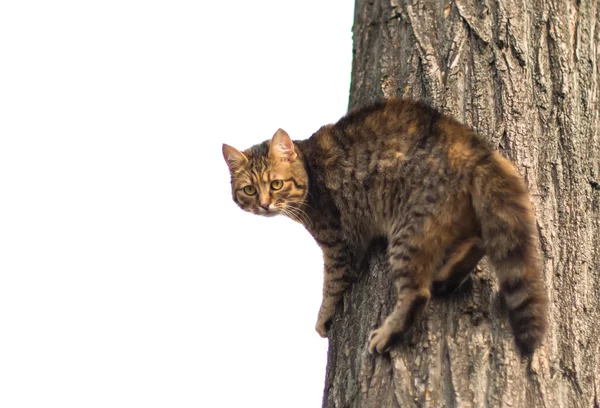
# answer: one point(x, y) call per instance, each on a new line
point(128, 278)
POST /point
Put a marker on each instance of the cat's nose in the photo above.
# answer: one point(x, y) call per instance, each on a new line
point(265, 206)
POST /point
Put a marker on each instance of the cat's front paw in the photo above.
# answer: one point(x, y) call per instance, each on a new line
point(321, 328)
point(380, 340)
point(323, 324)
point(324, 320)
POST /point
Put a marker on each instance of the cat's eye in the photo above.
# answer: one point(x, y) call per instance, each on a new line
point(250, 190)
point(276, 184)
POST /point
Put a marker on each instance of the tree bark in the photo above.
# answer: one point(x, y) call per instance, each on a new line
point(525, 75)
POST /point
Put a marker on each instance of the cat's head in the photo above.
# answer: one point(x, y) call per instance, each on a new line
point(269, 178)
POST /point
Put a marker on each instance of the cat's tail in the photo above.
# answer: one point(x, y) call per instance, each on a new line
point(509, 233)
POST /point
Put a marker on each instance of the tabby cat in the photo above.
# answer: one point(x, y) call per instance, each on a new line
point(435, 190)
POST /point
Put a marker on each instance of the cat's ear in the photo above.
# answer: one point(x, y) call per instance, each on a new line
point(282, 147)
point(233, 157)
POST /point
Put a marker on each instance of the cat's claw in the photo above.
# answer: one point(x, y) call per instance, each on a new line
point(380, 340)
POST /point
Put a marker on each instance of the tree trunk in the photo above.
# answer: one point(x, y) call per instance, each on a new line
point(525, 75)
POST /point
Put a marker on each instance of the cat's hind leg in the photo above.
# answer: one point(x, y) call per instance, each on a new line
point(413, 258)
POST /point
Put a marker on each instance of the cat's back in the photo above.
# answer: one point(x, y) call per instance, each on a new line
point(392, 132)
point(386, 121)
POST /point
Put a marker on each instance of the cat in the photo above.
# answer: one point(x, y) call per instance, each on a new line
point(433, 188)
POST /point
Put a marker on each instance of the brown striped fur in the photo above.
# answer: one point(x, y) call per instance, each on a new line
point(401, 170)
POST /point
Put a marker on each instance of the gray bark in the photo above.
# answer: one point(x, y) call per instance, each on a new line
point(526, 76)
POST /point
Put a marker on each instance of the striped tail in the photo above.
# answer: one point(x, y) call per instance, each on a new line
point(509, 233)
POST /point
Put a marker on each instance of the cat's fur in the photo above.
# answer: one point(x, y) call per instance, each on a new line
point(439, 194)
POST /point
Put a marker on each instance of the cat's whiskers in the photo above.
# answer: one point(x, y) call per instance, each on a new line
point(285, 210)
point(304, 212)
point(288, 214)
point(299, 215)
point(304, 203)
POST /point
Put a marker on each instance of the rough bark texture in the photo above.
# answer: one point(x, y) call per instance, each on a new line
point(524, 74)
